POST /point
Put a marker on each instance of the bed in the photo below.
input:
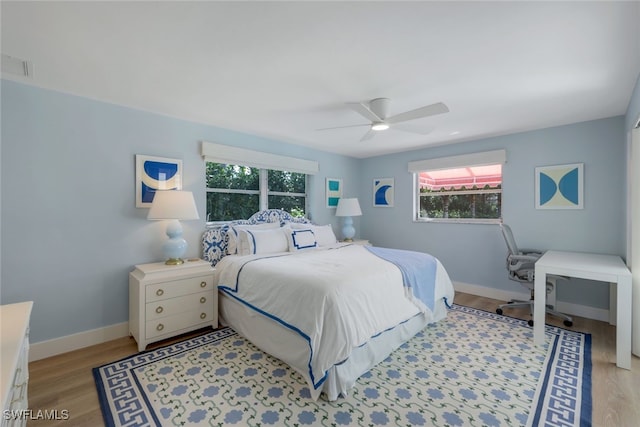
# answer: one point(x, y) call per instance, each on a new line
point(329, 310)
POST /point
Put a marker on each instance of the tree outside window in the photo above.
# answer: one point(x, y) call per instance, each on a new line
point(237, 192)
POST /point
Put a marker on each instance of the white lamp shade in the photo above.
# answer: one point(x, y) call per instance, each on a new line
point(348, 207)
point(173, 204)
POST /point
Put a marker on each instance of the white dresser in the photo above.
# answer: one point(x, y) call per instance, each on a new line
point(169, 300)
point(14, 357)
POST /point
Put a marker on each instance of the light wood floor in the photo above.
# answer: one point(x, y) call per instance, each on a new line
point(65, 382)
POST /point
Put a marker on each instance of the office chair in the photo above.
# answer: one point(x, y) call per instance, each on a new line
point(521, 267)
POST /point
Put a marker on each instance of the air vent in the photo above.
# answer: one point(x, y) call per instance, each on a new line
point(17, 66)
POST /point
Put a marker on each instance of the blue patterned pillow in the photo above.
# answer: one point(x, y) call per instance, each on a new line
point(214, 244)
point(215, 240)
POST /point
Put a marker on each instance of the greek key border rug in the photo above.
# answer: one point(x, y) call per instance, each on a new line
point(473, 368)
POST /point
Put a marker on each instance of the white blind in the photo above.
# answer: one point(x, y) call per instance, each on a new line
point(219, 153)
point(452, 162)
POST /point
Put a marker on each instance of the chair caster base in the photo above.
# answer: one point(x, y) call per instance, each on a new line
point(530, 323)
point(499, 311)
point(568, 323)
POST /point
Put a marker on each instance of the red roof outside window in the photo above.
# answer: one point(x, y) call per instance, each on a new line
point(469, 177)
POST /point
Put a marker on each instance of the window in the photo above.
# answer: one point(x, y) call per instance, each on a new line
point(237, 192)
point(463, 188)
point(461, 193)
point(241, 182)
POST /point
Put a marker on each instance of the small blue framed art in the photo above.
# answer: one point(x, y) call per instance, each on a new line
point(383, 189)
point(156, 173)
point(560, 187)
point(333, 192)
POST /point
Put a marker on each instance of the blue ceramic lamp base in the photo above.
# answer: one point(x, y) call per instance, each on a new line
point(174, 248)
point(347, 229)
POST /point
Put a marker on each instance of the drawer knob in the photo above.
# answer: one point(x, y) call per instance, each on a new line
point(203, 300)
point(160, 327)
point(203, 315)
point(203, 284)
point(159, 310)
point(159, 292)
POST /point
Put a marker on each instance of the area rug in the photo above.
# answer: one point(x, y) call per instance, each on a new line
point(473, 368)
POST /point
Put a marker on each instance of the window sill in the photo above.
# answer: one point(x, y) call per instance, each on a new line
point(460, 220)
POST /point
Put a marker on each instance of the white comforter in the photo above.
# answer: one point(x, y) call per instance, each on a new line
point(337, 299)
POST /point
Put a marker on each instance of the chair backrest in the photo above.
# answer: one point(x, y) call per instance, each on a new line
point(508, 238)
point(518, 270)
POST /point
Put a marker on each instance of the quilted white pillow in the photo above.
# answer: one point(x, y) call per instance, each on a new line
point(300, 239)
point(265, 241)
point(234, 234)
point(324, 233)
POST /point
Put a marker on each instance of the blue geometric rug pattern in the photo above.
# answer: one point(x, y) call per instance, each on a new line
point(473, 368)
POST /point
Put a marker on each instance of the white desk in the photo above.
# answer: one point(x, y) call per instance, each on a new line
point(605, 268)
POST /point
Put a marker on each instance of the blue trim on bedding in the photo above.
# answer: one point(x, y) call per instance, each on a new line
point(447, 303)
point(232, 290)
point(229, 291)
point(253, 239)
point(300, 233)
point(235, 288)
point(418, 271)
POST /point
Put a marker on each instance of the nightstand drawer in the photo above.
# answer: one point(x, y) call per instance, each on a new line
point(193, 302)
point(170, 324)
point(176, 288)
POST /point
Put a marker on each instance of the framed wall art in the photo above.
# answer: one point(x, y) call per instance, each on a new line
point(383, 192)
point(333, 192)
point(560, 187)
point(156, 173)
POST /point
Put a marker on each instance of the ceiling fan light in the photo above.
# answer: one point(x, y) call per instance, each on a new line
point(379, 126)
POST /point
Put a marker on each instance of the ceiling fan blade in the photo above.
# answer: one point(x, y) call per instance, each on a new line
point(343, 127)
point(368, 135)
point(364, 111)
point(429, 110)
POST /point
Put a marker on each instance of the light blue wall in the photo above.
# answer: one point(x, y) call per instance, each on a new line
point(475, 253)
point(633, 111)
point(71, 233)
point(70, 229)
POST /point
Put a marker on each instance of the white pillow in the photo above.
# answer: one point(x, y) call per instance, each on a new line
point(234, 234)
point(301, 239)
point(265, 241)
point(324, 233)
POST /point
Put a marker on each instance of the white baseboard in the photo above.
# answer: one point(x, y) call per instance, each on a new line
point(44, 349)
point(502, 295)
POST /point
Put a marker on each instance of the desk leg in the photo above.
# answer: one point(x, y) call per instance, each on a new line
point(540, 295)
point(623, 328)
point(613, 304)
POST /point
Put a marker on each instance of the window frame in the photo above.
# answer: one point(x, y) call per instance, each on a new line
point(466, 160)
point(262, 192)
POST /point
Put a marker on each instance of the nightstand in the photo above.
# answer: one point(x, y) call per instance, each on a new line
point(169, 300)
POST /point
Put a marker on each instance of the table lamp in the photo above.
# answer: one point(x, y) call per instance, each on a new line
point(174, 205)
point(348, 208)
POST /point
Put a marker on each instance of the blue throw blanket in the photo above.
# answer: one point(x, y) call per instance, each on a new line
point(418, 271)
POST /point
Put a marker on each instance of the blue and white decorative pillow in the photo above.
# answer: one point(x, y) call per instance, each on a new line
point(214, 244)
point(222, 240)
point(301, 239)
point(324, 233)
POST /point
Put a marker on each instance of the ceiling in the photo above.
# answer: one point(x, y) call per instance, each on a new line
point(281, 70)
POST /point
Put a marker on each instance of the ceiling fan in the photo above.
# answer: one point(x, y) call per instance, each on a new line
point(377, 112)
